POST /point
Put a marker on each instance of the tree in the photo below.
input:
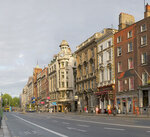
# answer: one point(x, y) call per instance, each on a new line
point(6, 100)
point(15, 102)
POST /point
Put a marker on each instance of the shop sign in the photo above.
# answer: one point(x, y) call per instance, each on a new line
point(54, 103)
point(48, 97)
point(42, 102)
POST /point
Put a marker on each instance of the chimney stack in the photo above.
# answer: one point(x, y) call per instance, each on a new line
point(125, 20)
point(147, 11)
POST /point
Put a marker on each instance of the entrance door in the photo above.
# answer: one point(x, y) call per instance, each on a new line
point(145, 98)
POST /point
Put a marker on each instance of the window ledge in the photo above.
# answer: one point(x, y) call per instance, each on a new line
point(143, 45)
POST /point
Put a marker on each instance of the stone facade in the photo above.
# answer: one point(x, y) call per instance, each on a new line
point(106, 70)
point(86, 84)
point(61, 79)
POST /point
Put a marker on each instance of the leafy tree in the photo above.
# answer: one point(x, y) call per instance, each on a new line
point(15, 102)
point(6, 100)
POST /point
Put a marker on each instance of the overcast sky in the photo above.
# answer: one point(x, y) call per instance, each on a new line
point(32, 30)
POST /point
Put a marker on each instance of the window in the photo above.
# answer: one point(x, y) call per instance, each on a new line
point(119, 67)
point(80, 59)
point(143, 40)
point(119, 39)
point(62, 75)
point(131, 83)
point(143, 58)
point(120, 85)
point(93, 67)
point(82, 86)
point(143, 27)
point(101, 48)
point(130, 47)
point(66, 64)
point(129, 34)
point(144, 78)
point(109, 55)
point(92, 83)
point(101, 59)
point(92, 50)
point(88, 84)
point(62, 64)
point(130, 63)
point(67, 84)
point(62, 84)
point(80, 72)
point(86, 69)
point(109, 44)
point(101, 76)
point(119, 51)
point(109, 73)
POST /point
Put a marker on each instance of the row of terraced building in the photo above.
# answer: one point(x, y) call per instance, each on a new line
point(112, 67)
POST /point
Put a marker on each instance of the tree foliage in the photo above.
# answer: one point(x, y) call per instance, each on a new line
point(7, 100)
point(15, 102)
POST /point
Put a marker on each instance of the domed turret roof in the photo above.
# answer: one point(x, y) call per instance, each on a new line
point(64, 43)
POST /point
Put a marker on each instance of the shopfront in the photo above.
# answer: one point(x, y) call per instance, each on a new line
point(105, 98)
point(127, 104)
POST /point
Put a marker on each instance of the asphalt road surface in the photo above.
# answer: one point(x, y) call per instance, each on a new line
point(69, 125)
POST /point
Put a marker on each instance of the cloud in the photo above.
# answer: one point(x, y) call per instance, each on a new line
point(32, 30)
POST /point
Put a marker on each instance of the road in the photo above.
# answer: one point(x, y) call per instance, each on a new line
point(69, 125)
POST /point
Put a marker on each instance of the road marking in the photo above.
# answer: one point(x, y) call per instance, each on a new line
point(148, 131)
point(114, 128)
point(65, 123)
point(71, 128)
point(83, 125)
point(103, 123)
point(51, 131)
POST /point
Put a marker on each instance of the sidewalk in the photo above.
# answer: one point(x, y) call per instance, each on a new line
point(111, 115)
point(4, 130)
point(103, 115)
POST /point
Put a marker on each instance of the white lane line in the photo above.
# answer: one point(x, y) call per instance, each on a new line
point(103, 123)
point(148, 131)
point(114, 128)
point(83, 125)
point(71, 128)
point(65, 123)
point(51, 131)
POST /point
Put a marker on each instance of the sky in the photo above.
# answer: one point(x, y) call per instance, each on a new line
point(32, 30)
